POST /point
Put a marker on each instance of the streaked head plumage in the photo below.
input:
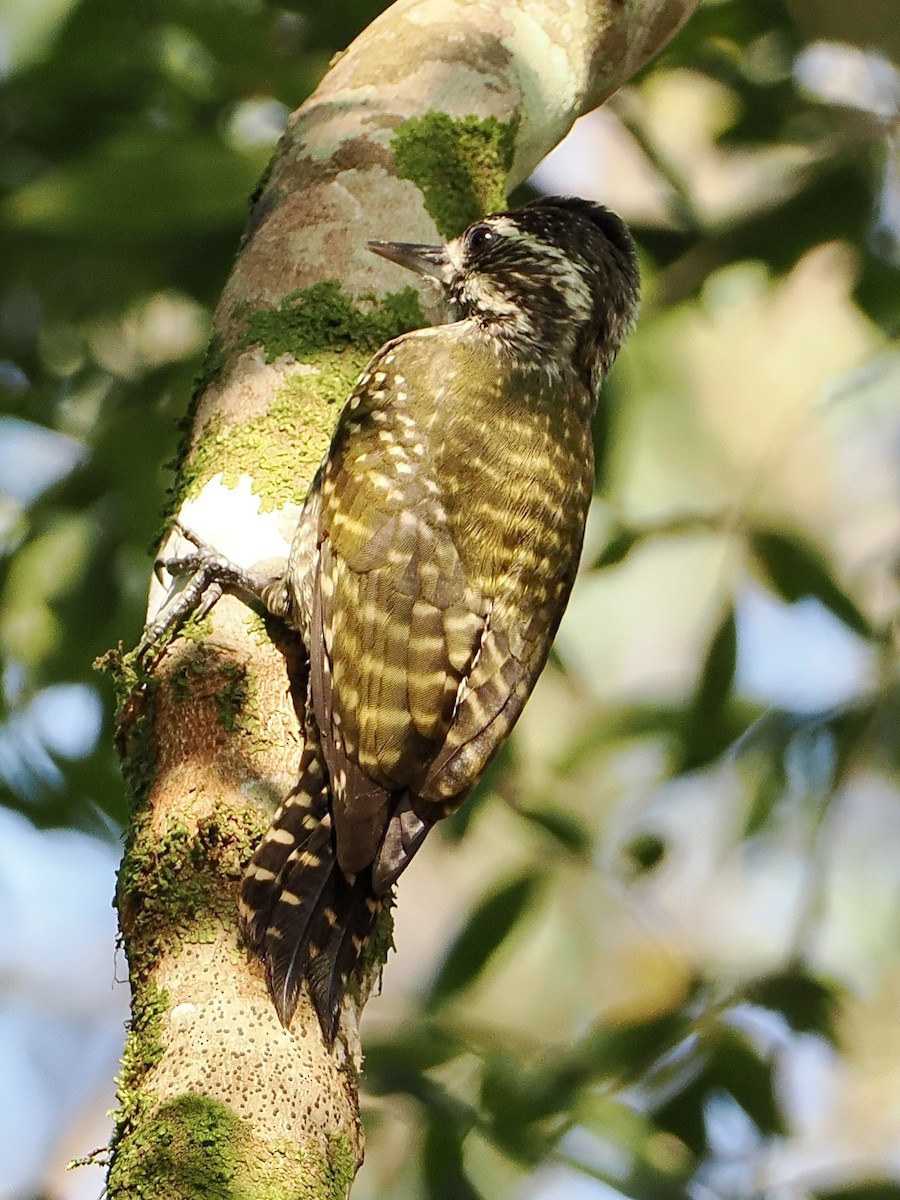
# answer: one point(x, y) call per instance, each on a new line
point(554, 283)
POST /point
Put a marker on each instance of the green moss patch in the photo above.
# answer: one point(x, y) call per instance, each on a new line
point(325, 317)
point(232, 696)
point(135, 689)
point(341, 1167)
point(182, 887)
point(281, 449)
point(188, 1149)
point(196, 1148)
point(460, 165)
point(143, 1050)
point(376, 948)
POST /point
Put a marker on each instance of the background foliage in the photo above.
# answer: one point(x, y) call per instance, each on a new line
point(657, 954)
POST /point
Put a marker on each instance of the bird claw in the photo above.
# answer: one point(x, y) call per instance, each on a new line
point(209, 575)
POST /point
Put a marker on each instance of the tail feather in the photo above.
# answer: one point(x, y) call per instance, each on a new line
point(307, 889)
point(336, 944)
point(299, 911)
point(301, 826)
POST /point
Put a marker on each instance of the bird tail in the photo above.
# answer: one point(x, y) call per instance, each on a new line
point(299, 911)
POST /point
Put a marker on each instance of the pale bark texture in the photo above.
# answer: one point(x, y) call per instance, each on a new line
point(425, 123)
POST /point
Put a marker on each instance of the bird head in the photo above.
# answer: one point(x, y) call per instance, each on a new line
point(555, 284)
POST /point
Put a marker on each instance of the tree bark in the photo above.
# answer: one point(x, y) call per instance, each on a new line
point(425, 123)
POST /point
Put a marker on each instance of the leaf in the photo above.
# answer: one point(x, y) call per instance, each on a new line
point(718, 671)
point(808, 1005)
point(707, 731)
point(432, 1095)
point(487, 928)
point(626, 1052)
point(445, 1175)
point(645, 851)
point(803, 755)
point(615, 724)
point(659, 1166)
point(732, 1066)
point(516, 1098)
point(564, 827)
point(513, 1100)
point(764, 785)
point(617, 548)
point(413, 1050)
point(136, 184)
point(796, 569)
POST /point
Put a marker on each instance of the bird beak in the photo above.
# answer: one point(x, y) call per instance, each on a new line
point(424, 260)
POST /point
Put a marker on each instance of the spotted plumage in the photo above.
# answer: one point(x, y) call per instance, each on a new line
point(431, 567)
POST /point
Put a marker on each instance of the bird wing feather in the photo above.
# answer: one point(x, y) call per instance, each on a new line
point(416, 675)
point(393, 624)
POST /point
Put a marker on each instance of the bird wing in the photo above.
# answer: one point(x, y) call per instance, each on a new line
point(417, 675)
point(394, 625)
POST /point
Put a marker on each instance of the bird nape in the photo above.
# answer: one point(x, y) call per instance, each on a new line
point(430, 567)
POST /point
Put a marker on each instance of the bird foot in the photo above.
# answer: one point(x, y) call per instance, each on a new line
point(207, 575)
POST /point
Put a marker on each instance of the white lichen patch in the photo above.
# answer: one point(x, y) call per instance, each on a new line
point(229, 520)
point(182, 1014)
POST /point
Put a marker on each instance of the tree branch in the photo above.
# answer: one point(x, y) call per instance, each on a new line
point(425, 123)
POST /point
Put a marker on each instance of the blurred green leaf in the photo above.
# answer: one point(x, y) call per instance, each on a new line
point(489, 924)
point(525, 1104)
point(619, 546)
point(515, 1095)
point(789, 754)
point(730, 1065)
point(707, 729)
point(715, 29)
point(151, 185)
point(832, 198)
point(612, 1056)
point(769, 735)
point(645, 851)
point(617, 723)
point(514, 1100)
point(413, 1050)
point(623, 1053)
point(796, 569)
point(445, 1175)
point(764, 785)
point(562, 826)
point(648, 1163)
point(30, 29)
point(430, 1093)
point(807, 1004)
point(47, 570)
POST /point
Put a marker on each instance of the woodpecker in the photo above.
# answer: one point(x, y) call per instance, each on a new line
point(430, 569)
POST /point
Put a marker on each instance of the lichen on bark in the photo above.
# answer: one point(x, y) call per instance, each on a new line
point(330, 336)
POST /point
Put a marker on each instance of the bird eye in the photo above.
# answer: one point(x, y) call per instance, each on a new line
point(479, 238)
